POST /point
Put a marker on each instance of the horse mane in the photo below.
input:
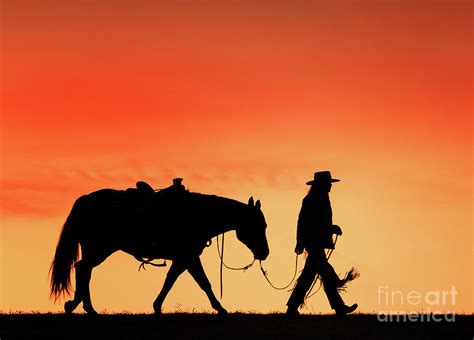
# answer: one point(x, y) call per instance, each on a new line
point(222, 206)
point(215, 198)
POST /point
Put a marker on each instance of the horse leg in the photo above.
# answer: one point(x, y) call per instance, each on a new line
point(70, 305)
point(83, 276)
point(86, 272)
point(177, 268)
point(197, 272)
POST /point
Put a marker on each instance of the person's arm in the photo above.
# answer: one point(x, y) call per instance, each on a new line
point(301, 230)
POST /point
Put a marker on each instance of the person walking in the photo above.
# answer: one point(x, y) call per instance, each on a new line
point(315, 234)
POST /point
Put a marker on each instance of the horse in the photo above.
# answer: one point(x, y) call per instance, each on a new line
point(170, 226)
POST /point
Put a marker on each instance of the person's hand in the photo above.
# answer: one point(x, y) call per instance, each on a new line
point(337, 230)
point(299, 249)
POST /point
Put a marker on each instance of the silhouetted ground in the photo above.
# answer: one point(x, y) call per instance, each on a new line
point(234, 326)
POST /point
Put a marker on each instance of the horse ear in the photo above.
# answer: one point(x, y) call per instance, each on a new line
point(251, 201)
point(258, 204)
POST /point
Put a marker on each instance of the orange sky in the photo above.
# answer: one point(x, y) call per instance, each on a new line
point(243, 98)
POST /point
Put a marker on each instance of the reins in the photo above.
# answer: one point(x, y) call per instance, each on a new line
point(221, 257)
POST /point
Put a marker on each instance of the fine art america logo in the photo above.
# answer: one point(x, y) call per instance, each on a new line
point(413, 300)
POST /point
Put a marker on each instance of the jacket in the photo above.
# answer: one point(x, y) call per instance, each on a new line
point(315, 222)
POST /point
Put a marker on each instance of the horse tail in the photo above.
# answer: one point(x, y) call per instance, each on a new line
point(67, 253)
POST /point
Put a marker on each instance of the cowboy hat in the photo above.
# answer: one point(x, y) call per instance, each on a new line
point(322, 177)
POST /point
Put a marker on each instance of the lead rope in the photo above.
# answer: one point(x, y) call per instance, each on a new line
point(309, 294)
point(220, 252)
point(265, 275)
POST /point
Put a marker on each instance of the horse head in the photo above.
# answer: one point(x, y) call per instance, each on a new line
point(251, 231)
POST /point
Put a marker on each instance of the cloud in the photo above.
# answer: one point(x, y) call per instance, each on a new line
point(51, 191)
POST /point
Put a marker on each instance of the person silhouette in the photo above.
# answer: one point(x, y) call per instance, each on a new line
point(314, 233)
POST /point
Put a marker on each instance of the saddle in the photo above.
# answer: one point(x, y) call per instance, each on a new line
point(144, 187)
point(143, 195)
point(141, 188)
point(139, 199)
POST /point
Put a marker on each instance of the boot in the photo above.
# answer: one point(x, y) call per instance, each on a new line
point(345, 309)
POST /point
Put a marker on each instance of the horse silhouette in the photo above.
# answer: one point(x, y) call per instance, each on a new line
point(146, 224)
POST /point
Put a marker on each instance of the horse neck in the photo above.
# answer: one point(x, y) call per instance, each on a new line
point(228, 215)
point(221, 229)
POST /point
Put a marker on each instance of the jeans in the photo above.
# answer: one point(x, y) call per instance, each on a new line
point(316, 263)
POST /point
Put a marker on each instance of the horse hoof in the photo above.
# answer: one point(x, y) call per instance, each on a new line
point(157, 309)
point(222, 312)
point(69, 306)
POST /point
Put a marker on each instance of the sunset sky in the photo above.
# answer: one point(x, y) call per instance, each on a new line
point(243, 98)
